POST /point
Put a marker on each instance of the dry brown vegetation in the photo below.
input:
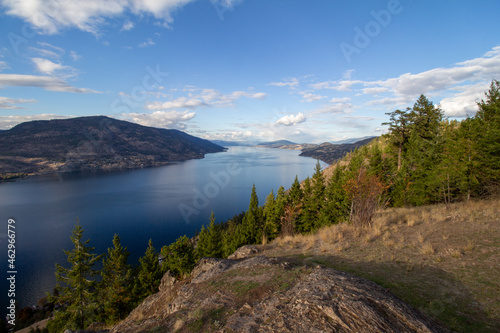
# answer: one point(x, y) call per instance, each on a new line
point(441, 259)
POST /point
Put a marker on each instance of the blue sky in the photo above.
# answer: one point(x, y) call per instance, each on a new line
point(307, 71)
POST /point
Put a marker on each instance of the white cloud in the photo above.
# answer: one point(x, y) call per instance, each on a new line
point(309, 97)
point(410, 85)
point(464, 103)
point(10, 103)
point(375, 90)
point(179, 103)
point(290, 120)
point(205, 98)
point(162, 119)
point(56, 49)
point(340, 100)
point(74, 56)
point(128, 25)
point(333, 108)
point(48, 67)
point(7, 122)
point(51, 16)
point(148, 42)
point(46, 82)
point(3, 65)
point(289, 82)
point(45, 53)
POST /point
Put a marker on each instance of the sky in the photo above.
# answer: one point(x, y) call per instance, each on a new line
point(245, 70)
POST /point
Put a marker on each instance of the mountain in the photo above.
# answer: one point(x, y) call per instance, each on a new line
point(329, 153)
point(92, 143)
point(230, 143)
point(275, 144)
point(351, 140)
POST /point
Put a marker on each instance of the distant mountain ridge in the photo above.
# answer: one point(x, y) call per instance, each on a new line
point(329, 153)
point(96, 142)
point(351, 140)
point(276, 144)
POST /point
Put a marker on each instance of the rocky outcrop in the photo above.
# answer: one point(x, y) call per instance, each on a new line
point(261, 294)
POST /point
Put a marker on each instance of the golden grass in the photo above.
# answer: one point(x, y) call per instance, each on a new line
point(427, 248)
point(445, 254)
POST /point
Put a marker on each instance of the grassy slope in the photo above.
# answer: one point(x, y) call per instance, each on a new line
point(442, 260)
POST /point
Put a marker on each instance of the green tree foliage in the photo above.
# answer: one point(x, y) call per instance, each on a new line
point(116, 285)
point(306, 220)
point(336, 206)
point(399, 129)
point(295, 195)
point(78, 288)
point(487, 138)
point(210, 240)
point(179, 257)
point(252, 225)
point(425, 152)
point(149, 273)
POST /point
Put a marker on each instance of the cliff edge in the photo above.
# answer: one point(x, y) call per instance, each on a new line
point(261, 294)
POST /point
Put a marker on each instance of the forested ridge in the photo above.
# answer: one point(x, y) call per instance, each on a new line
point(423, 159)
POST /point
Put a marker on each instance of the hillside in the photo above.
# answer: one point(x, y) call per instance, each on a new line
point(275, 144)
point(329, 153)
point(94, 143)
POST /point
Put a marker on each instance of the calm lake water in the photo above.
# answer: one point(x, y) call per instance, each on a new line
point(160, 203)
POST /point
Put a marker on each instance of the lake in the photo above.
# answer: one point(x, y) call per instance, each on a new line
point(160, 203)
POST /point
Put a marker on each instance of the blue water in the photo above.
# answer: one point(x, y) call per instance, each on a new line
point(160, 203)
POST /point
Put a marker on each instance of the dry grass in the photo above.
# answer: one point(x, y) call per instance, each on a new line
point(444, 260)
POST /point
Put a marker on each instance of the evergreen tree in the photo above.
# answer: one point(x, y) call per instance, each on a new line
point(115, 287)
point(270, 218)
point(214, 244)
point(487, 139)
point(79, 289)
point(178, 257)
point(317, 196)
point(279, 208)
point(336, 205)
point(202, 245)
point(306, 220)
point(149, 273)
point(252, 225)
point(399, 132)
point(295, 194)
point(425, 152)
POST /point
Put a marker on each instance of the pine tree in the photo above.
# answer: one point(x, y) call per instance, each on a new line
point(214, 244)
point(178, 257)
point(487, 142)
point(115, 286)
point(149, 273)
point(425, 148)
point(399, 132)
point(202, 245)
point(317, 196)
point(307, 216)
point(336, 205)
point(252, 225)
point(270, 225)
point(79, 289)
point(296, 194)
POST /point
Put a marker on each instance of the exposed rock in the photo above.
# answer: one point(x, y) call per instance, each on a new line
point(167, 282)
point(262, 294)
point(244, 252)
